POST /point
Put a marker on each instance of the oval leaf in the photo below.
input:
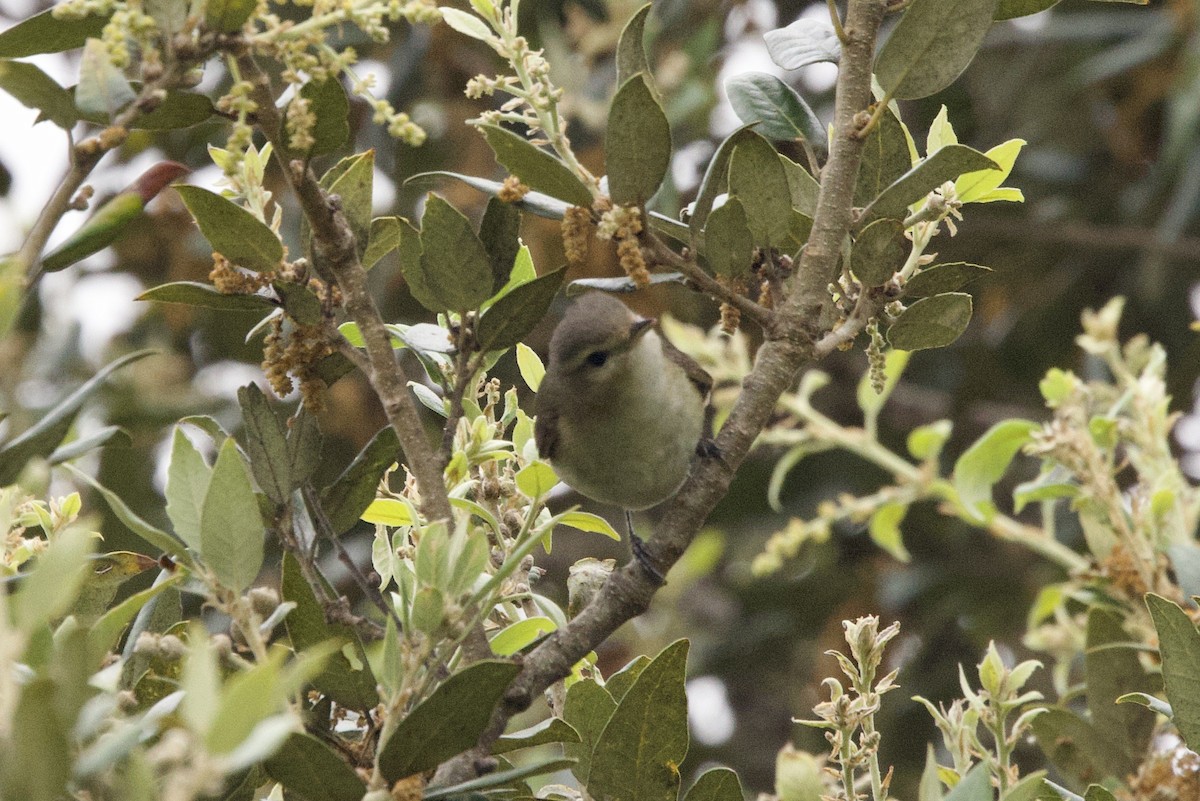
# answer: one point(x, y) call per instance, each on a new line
point(931, 322)
point(1179, 644)
point(879, 251)
point(631, 47)
point(806, 41)
point(781, 112)
point(885, 158)
point(233, 231)
point(982, 464)
point(939, 278)
point(306, 766)
point(348, 497)
point(456, 273)
point(534, 202)
point(35, 89)
point(637, 145)
point(728, 244)
point(535, 167)
point(103, 89)
point(192, 293)
point(932, 44)
point(45, 33)
point(757, 178)
point(515, 314)
point(231, 527)
point(946, 164)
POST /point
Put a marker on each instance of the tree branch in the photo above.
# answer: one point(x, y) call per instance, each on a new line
point(334, 240)
point(662, 254)
point(789, 345)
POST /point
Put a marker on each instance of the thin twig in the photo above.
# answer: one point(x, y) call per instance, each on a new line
point(663, 254)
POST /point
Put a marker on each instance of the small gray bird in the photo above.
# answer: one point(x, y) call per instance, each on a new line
point(620, 411)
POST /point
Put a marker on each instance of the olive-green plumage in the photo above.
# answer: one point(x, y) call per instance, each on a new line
point(110, 220)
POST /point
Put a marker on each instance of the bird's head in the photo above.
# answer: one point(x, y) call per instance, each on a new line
point(593, 343)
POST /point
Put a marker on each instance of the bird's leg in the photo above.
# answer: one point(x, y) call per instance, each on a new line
point(707, 448)
point(638, 547)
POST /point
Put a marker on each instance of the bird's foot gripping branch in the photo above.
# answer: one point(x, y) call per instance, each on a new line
point(411, 693)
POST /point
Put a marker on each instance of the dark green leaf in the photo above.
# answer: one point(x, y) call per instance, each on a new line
point(1008, 9)
point(192, 293)
point(714, 183)
point(455, 270)
point(43, 33)
point(231, 528)
point(646, 739)
point(266, 444)
point(728, 244)
point(618, 684)
point(333, 367)
point(631, 48)
point(551, 730)
point(233, 231)
point(716, 784)
point(507, 321)
point(806, 41)
point(679, 231)
point(781, 112)
point(932, 44)
point(533, 202)
point(931, 322)
point(81, 447)
point(310, 769)
point(303, 446)
point(637, 144)
point(188, 477)
point(1179, 644)
point(35, 89)
point(885, 158)
point(350, 684)
point(939, 278)
point(975, 786)
point(349, 496)
point(879, 251)
point(228, 16)
point(944, 165)
point(447, 722)
point(351, 179)
point(1098, 793)
point(757, 178)
point(1151, 702)
point(619, 286)
point(103, 89)
point(1029, 788)
point(385, 237)
point(327, 100)
point(499, 779)
point(300, 303)
point(500, 232)
point(802, 185)
point(105, 632)
point(981, 465)
point(588, 708)
point(179, 109)
point(1076, 748)
point(535, 167)
point(44, 437)
point(1112, 670)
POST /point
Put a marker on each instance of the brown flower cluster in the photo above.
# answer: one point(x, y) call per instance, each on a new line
point(228, 280)
point(296, 355)
point(731, 316)
point(513, 190)
point(577, 229)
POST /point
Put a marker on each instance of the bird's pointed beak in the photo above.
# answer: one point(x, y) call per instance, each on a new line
point(640, 327)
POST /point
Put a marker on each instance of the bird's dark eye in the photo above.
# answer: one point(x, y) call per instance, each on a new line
point(597, 358)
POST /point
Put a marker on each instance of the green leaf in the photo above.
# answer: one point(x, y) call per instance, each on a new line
point(231, 527)
point(384, 238)
point(533, 202)
point(714, 183)
point(520, 635)
point(586, 521)
point(728, 243)
point(228, 16)
point(551, 730)
point(310, 769)
point(38, 762)
point(1098, 793)
point(637, 144)
point(536, 479)
point(513, 316)
point(530, 366)
point(349, 496)
point(300, 303)
point(757, 178)
point(48, 591)
point(304, 442)
point(390, 512)
point(1030, 788)
point(806, 41)
point(975, 786)
point(619, 286)
point(631, 48)
point(931, 322)
point(102, 88)
point(104, 633)
point(1179, 645)
point(467, 24)
point(932, 44)
point(179, 109)
point(885, 530)
point(928, 174)
point(535, 167)
point(192, 293)
point(346, 676)
point(925, 442)
point(1113, 669)
point(44, 33)
point(716, 784)
point(646, 739)
point(939, 278)
point(42, 438)
point(154, 536)
point(588, 709)
point(619, 683)
point(781, 112)
point(448, 722)
point(327, 100)
point(1077, 748)
point(984, 186)
point(266, 444)
point(982, 464)
point(885, 158)
point(1009, 9)
point(802, 185)
point(35, 89)
point(930, 788)
point(352, 180)
point(879, 251)
point(1049, 485)
point(501, 779)
point(188, 477)
point(233, 231)
point(500, 232)
point(1151, 702)
point(81, 447)
point(454, 270)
